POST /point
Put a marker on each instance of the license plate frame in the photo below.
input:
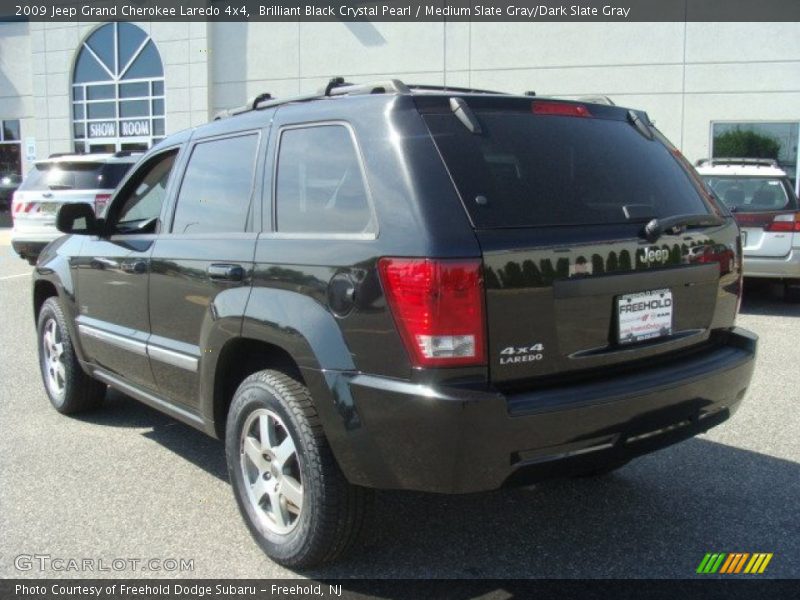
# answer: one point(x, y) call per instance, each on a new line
point(643, 316)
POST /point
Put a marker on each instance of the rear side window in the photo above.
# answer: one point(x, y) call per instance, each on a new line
point(320, 185)
point(528, 170)
point(217, 185)
point(75, 176)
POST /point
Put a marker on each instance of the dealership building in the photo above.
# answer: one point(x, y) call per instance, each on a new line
point(91, 87)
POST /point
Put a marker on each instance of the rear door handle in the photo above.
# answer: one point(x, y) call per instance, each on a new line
point(226, 272)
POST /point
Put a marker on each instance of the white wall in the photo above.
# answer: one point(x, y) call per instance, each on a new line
point(54, 48)
point(683, 75)
point(16, 100)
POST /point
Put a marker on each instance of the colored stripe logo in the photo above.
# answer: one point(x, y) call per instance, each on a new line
point(734, 562)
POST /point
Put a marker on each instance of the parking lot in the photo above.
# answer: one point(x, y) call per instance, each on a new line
point(127, 482)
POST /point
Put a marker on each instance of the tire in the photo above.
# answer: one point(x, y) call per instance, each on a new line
point(330, 514)
point(70, 389)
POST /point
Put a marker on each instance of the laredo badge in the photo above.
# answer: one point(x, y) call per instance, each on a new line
point(521, 354)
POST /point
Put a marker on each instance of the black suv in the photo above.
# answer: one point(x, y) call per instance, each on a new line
point(402, 287)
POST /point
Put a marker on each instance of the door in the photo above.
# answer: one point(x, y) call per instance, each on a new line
point(113, 272)
point(202, 267)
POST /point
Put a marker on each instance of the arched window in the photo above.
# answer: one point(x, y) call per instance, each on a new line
point(117, 91)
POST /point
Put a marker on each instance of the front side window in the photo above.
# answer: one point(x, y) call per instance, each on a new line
point(320, 185)
point(217, 185)
point(140, 210)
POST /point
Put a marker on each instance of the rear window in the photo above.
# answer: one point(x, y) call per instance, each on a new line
point(528, 170)
point(751, 194)
point(75, 176)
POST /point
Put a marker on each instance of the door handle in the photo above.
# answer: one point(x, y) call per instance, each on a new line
point(226, 272)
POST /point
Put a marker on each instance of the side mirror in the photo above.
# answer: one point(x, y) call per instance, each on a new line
point(77, 218)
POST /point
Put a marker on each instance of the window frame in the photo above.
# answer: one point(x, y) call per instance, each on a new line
point(131, 179)
point(274, 232)
point(248, 230)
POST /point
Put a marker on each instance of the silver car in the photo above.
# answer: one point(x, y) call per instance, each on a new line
point(760, 195)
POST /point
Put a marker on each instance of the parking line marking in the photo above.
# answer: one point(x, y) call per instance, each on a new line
point(15, 276)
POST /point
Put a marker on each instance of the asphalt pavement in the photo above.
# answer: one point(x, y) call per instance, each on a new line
point(126, 482)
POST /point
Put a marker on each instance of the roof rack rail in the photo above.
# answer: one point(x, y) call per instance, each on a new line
point(757, 162)
point(336, 86)
point(450, 88)
point(60, 154)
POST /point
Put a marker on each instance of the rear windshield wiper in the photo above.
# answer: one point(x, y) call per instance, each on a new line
point(656, 227)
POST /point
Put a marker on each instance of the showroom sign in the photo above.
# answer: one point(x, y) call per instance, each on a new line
point(103, 129)
point(108, 129)
point(135, 128)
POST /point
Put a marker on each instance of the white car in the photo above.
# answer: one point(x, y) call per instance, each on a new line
point(761, 197)
point(58, 180)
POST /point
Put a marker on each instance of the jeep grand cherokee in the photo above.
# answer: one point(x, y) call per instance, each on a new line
point(402, 287)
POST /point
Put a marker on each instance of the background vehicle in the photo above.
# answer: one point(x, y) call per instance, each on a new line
point(60, 179)
point(402, 287)
point(760, 196)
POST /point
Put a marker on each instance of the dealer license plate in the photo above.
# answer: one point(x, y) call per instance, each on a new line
point(644, 316)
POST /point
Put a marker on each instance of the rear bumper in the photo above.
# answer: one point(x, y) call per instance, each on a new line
point(784, 267)
point(30, 245)
point(409, 436)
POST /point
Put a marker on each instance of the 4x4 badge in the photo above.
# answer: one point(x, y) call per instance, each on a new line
point(521, 354)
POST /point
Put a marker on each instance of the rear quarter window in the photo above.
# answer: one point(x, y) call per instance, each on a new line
point(320, 186)
point(528, 170)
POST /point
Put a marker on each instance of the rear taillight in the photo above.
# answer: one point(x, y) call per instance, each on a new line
point(18, 205)
point(100, 203)
point(562, 109)
point(438, 308)
point(787, 222)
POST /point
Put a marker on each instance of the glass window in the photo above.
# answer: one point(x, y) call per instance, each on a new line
point(133, 108)
point(320, 187)
point(146, 64)
point(758, 140)
point(139, 89)
point(11, 131)
point(217, 185)
point(527, 171)
point(145, 202)
point(99, 92)
point(82, 175)
point(10, 162)
point(88, 69)
point(751, 194)
point(130, 38)
point(117, 74)
point(101, 110)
